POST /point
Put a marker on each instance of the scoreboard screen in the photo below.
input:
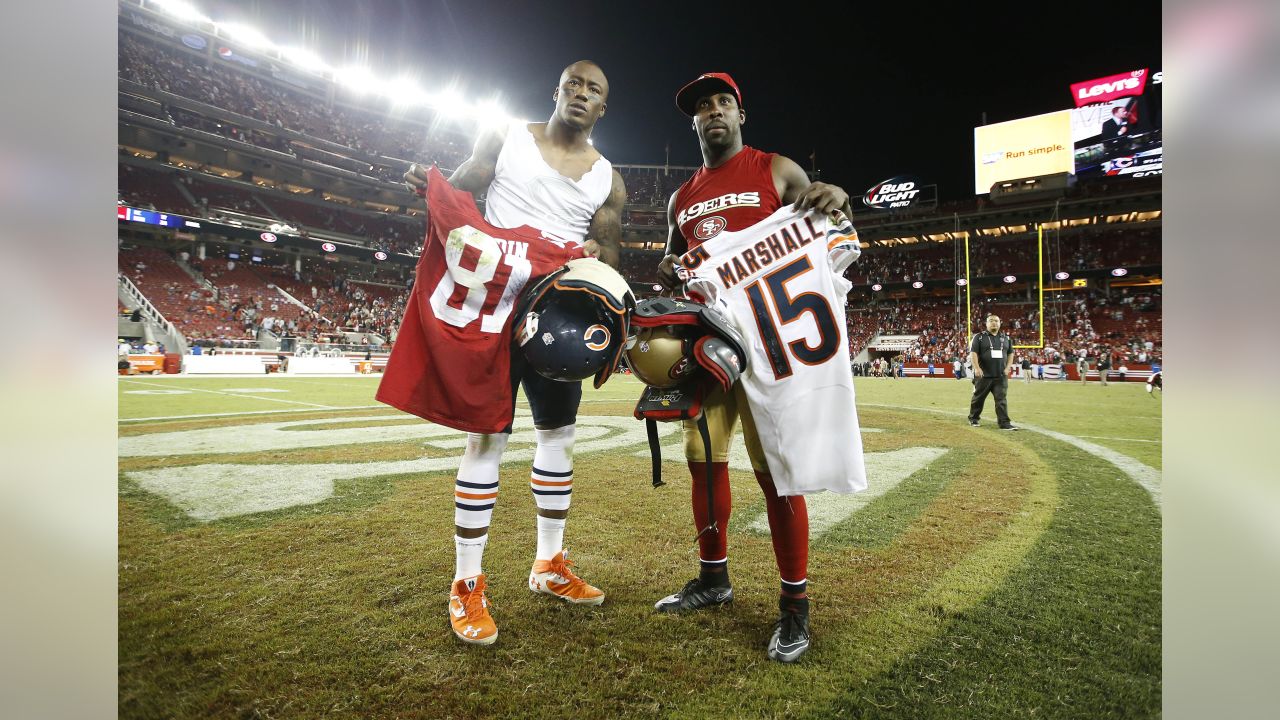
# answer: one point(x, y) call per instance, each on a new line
point(151, 217)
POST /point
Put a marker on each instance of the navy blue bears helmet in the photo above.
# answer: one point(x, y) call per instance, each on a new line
point(575, 322)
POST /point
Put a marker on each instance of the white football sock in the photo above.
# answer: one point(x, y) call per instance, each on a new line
point(475, 491)
point(469, 553)
point(550, 537)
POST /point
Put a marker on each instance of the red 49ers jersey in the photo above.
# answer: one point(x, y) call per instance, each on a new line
point(451, 363)
point(733, 197)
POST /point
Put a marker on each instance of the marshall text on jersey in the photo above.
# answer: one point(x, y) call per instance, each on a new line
point(781, 280)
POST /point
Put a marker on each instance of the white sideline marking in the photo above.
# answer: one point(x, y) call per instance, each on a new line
point(1103, 437)
point(157, 392)
point(244, 412)
point(1141, 473)
point(253, 390)
point(231, 394)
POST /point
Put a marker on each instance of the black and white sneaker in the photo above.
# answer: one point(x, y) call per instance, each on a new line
point(1009, 427)
point(695, 595)
point(973, 423)
point(791, 633)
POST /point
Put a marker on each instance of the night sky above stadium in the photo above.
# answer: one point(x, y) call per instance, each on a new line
point(874, 90)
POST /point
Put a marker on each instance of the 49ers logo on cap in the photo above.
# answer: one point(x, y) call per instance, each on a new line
point(593, 331)
point(709, 228)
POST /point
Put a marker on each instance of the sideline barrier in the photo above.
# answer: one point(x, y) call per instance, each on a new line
point(320, 366)
point(222, 364)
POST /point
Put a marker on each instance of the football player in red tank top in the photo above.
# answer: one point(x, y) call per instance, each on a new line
point(737, 187)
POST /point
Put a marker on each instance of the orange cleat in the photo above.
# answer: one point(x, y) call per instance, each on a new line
point(553, 577)
point(469, 612)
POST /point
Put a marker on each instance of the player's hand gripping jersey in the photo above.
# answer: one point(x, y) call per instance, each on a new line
point(781, 281)
point(451, 363)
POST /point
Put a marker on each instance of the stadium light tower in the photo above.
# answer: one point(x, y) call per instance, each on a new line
point(450, 103)
point(490, 114)
point(181, 10)
point(304, 59)
point(405, 91)
point(360, 80)
point(246, 35)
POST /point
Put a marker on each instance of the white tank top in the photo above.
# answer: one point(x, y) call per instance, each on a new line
point(527, 191)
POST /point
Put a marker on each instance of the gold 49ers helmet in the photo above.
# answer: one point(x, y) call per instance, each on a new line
point(662, 357)
point(675, 338)
point(675, 341)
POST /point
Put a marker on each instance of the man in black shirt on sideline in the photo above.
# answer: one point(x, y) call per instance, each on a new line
point(989, 354)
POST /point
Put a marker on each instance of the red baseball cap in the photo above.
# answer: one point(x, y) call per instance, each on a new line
point(706, 84)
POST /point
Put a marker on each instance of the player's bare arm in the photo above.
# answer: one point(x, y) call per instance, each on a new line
point(676, 246)
point(604, 237)
point(475, 173)
point(794, 187)
point(977, 367)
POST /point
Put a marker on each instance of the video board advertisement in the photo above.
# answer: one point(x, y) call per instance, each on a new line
point(1116, 126)
point(1022, 148)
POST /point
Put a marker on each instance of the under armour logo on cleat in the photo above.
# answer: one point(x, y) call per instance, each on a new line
point(471, 631)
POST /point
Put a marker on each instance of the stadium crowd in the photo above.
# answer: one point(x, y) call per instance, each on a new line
point(219, 300)
point(232, 87)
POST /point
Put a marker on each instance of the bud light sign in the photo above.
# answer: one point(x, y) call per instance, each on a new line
point(892, 194)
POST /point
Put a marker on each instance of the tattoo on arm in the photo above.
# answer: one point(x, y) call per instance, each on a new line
point(475, 174)
point(606, 225)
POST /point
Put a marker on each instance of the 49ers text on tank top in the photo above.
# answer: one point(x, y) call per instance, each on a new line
point(734, 196)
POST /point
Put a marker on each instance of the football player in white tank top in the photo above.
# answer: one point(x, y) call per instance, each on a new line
point(568, 181)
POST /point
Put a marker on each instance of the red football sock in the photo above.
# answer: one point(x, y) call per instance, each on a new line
point(712, 545)
point(789, 528)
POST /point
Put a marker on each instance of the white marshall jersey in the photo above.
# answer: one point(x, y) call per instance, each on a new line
point(527, 191)
point(781, 281)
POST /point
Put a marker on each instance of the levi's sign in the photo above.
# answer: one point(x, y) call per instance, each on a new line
point(1109, 88)
point(896, 192)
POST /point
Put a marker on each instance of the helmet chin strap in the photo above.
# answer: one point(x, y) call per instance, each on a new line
point(718, 356)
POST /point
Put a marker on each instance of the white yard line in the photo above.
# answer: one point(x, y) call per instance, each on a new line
point(1101, 437)
point(243, 395)
point(246, 412)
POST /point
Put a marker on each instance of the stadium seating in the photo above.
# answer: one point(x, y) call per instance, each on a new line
point(368, 141)
point(152, 189)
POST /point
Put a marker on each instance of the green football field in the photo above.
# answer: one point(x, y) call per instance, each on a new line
point(286, 551)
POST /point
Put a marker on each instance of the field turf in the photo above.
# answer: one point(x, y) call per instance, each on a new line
point(286, 551)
